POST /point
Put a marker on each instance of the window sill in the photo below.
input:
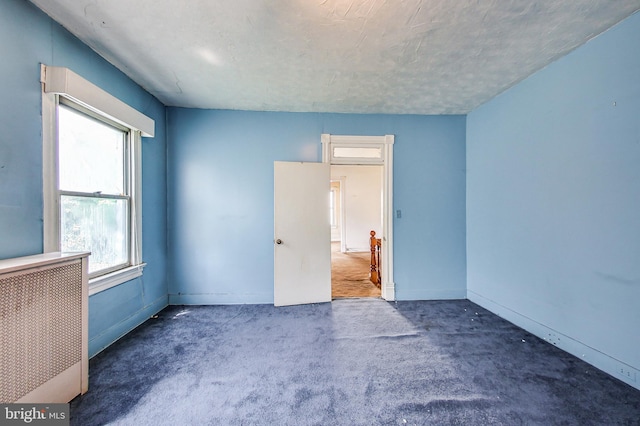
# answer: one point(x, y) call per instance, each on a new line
point(104, 282)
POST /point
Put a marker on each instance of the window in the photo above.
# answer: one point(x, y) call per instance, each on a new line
point(94, 188)
point(356, 149)
point(92, 180)
point(333, 219)
point(357, 152)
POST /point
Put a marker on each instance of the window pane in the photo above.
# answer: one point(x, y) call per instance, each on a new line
point(97, 225)
point(357, 152)
point(91, 154)
point(332, 208)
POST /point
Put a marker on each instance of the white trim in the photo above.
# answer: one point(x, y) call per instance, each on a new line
point(135, 193)
point(388, 285)
point(51, 213)
point(325, 139)
point(359, 250)
point(104, 282)
point(386, 143)
point(357, 159)
point(64, 82)
point(356, 140)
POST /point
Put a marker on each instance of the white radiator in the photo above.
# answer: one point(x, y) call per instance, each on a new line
point(44, 356)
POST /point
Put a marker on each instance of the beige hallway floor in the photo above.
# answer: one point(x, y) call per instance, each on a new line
point(350, 274)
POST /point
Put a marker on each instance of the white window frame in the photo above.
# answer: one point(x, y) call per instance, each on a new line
point(61, 82)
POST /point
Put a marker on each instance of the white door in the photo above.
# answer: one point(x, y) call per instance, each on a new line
point(302, 233)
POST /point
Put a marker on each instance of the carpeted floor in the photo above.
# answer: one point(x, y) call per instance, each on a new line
point(349, 362)
point(350, 274)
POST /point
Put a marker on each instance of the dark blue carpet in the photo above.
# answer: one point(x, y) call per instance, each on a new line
point(350, 362)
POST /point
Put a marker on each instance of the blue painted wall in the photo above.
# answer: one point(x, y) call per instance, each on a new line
point(27, 38)
point(220, 166)
point(553, 195)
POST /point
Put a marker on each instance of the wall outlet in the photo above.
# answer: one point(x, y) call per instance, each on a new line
point(553, 338)
point(627, 372)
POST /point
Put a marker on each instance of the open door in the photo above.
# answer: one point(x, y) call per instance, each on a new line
point(302, 233)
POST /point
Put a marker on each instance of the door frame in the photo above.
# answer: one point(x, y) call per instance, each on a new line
point(379, 151)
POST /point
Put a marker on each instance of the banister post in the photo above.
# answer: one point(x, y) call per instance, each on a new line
point(373, 242)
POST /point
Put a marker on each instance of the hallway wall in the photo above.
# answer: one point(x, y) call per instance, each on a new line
point(363, 203)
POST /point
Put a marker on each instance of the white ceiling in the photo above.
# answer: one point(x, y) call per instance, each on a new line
point(355, 56)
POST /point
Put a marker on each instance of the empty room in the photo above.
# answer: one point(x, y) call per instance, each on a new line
point(175, 177)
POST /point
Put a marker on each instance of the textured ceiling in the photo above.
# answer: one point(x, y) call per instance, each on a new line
point(360, 56)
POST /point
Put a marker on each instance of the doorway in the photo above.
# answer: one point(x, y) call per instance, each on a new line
point(355, 210)
point(294, 279)
point(363, 151)
point(350, 274)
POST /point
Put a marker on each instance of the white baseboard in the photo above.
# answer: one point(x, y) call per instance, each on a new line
point(600, 360)
point(358, 250)
point(389, 292)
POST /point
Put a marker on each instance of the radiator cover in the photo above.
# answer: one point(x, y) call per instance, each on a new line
point(43, 328)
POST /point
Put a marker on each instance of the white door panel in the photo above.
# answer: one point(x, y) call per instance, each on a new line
point(302, 233)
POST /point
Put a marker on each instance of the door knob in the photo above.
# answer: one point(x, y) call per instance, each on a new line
point(278, 241)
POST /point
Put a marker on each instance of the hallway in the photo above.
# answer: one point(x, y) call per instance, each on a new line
point(350, 274)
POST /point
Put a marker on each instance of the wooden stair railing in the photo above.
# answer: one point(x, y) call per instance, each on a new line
point(376, 272)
